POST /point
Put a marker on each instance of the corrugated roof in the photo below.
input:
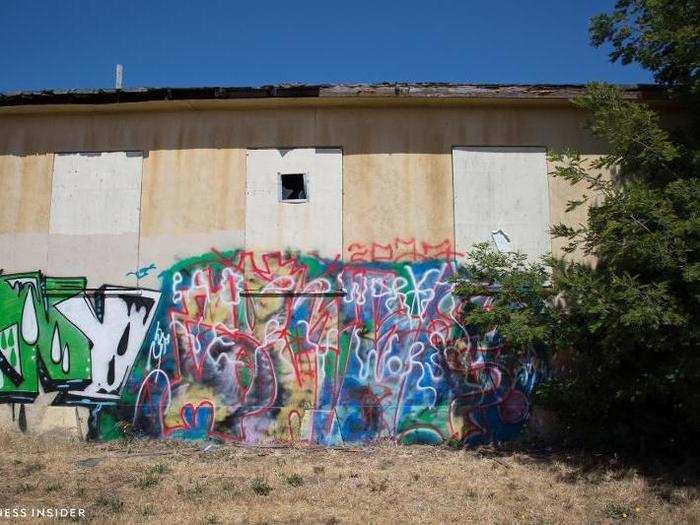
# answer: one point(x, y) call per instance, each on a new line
point(374, 91)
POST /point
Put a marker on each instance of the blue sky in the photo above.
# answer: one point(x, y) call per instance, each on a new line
point(76, 43)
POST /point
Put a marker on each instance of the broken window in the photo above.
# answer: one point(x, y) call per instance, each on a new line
point(293, 187)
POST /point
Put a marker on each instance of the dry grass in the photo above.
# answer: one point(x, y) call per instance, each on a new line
point(150, 481)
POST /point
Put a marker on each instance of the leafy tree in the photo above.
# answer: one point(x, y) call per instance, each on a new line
point(506, 292)
point(631, 324)
point(627, 327)
point(661, 35)
point(632, 321)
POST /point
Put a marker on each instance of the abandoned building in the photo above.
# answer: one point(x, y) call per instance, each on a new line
point(270, 264)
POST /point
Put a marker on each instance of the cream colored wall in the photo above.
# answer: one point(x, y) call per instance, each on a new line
point(397, 169)
point(25, 189)
point(193, 200)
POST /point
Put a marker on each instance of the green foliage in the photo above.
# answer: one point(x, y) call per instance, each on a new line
point(661, 35)
point(147, 481)
point(295, 480)
point(630, 328)
point(624, 330)
point(511, 296)
point(110, 503)
point(260, 486)
point(157, 469)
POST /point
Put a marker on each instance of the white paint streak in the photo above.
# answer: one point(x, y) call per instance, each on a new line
point(30, 328)
point(114, 348)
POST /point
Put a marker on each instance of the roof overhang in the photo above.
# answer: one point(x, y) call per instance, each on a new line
point(290, 95)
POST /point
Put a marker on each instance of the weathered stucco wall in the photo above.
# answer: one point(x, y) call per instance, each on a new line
point(186, 350)
point(394, 159)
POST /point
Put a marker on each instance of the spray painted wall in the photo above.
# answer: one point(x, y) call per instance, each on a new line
point(186, 320)
point(250, 345)
point(266, 347)
point(58, 337)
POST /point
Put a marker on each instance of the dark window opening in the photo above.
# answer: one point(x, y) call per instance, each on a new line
point(293, 187)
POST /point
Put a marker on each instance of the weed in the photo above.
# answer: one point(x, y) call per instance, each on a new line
point(260, 486)
point(149, 480)
point(196, 490)
point(229, 486)
point(110, 502)
point(470, 493)
point(53, 487)
point(128, 434)
point(34, 466)
point(295, 480)
point(24, 487)
point(377, 486)
point(385, 465)
point(617, 511)
point(211, 519)
point(148, 511)
point(672, 496)
point(453, 444)
point(158, 469)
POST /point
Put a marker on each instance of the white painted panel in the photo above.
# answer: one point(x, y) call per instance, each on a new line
point(94, 219)
point(95, 193)
point(311, 226)
point(501, 189)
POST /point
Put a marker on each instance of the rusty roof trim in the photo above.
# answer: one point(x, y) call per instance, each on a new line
point(374, 91)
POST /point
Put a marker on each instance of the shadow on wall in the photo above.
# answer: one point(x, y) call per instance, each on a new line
point(269, 347)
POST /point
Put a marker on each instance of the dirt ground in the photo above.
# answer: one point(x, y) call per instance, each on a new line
point(174, 482)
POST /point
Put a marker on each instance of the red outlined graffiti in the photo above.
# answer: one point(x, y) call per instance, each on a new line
point(283, 347)
point(401, 250)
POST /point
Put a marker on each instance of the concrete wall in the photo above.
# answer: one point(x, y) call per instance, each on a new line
point(193, 227)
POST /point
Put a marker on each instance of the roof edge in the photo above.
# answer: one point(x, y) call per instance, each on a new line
point(642, 92)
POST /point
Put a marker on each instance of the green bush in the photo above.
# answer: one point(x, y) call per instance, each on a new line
point(505, 291)
point(628, 330)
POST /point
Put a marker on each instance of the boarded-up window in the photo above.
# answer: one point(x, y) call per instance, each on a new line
point(501, 196)
point(309, 178)
point(94, 221)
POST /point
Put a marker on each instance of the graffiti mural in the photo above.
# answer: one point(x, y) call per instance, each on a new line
point(269, 347)
point(79, 343)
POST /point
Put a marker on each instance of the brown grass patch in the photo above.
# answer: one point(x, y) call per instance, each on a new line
point(160, 481)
